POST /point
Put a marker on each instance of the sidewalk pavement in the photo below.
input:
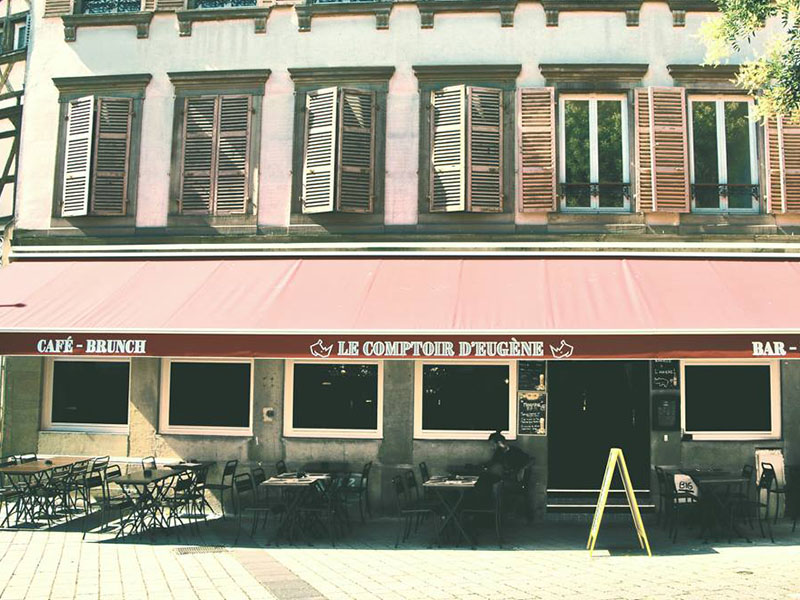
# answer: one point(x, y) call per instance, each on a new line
point(542, 560)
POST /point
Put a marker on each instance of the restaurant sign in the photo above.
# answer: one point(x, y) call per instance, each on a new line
point(377, 346)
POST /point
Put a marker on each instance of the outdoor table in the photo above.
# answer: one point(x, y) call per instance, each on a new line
point(452, 502)
point(26, 477)
point(300, 491)
point(715, 498)
point(145, 489)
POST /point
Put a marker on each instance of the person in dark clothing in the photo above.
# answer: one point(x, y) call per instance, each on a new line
point(505, 465)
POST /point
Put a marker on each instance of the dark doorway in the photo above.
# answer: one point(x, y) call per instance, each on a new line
point(594, 406)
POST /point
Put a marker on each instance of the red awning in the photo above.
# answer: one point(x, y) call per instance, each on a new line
point(274, 306)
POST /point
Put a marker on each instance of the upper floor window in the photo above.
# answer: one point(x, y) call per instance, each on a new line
point(724, 168)
point(339, 151)
point(594, 152)
point(466, 149)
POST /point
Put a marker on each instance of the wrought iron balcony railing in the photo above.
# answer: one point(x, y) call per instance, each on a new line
point(607, 195)
point(96, 7)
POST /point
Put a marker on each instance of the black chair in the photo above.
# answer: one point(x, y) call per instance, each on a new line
point(148, 462)
point(663, 495)
point(407, 511)
point(774, 487)
point(185, 500)
point(280, 468)
point(682, 499)
point(228, 473)
point(323, 511)
point(492, 506)
point(517, 490)
point(357, 490)
point(97, 481)
point(248, 501)
point(424, 473)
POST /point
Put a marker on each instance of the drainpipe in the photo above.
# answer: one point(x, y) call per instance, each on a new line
point(3, 369)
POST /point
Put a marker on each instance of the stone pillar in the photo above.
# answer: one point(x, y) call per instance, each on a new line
point(23, 401)
point(267, 445)
point(396, 449)
point(143, 417)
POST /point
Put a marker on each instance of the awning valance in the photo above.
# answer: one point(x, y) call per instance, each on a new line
point(394, 307)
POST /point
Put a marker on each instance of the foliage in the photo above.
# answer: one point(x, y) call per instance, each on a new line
point(774, 73)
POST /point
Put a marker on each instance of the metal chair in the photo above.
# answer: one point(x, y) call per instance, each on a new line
point(493, 507)
point(357, 489)
point(280, 467)
point(774, 487)
point(407, 511)
point(248, 501)
point(228, 473)
point(148, 462)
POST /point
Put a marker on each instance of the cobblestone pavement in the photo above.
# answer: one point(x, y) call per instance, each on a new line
point(538, 561)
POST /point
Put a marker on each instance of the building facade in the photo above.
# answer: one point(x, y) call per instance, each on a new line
point(395, 228)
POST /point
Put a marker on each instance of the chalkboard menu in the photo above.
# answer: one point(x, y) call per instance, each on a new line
point(531, 375)
point(665, 374)
point(532, 413)
point(665, 412)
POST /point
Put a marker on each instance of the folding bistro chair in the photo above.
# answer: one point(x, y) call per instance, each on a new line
point(225, 485)
point(248, 501)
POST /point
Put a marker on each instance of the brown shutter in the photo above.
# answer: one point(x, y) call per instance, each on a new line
point(485, 150)
point(356, 173)
point(319, 161)
point(78, 157)
point(55, 8)
point(199, 125)
point(661, 143)
point(644, 150)
point(783, 165)
point(233, 135)
point(448, 149)
point(537, 149)
point(111, 153)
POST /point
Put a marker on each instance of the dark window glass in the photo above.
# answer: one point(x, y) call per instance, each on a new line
point(209, 394)
point(465, 397)
point(728, 398)
point(737, 148)
point(706, 166)
point(335, 396)
point(609, 152)
point(90, 392)
point(576, 153)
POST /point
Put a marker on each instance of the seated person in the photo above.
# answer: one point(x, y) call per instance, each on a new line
point(506, 464)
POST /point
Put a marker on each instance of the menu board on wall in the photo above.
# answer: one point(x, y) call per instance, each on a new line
point(665, 374)
point(531, 375)
point(665, 412)
point(532, 413)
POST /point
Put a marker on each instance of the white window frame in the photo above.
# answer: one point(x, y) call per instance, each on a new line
point(438, 434)
point(307, 432)
point(47, 424)
point(775, 402)
point(594, 158)
point(164, 425)
point(722, 162)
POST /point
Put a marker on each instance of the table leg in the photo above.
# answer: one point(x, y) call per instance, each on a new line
point(452, 516)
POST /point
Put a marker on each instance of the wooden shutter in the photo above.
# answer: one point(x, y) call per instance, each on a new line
point(448, 149)
point(537, 149)
point(111, 153)
point(54, 8)
point(356, 173)
point(319, 161)
point(78, 157)
point(661, 149)
point(485, 150)
point(783, 165)
point(232, 158)
point(199, 125)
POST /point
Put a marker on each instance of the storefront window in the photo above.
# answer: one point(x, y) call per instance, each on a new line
point(207, 397)
point(731, 401)
point(464, 400)
point(333, 400)
point(87, 395)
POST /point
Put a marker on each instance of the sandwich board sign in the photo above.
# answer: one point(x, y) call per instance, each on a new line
point(617, 460)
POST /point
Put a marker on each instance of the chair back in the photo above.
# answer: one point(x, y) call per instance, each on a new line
point(113, 471)
point(768, 477)
point(365, 475)
point(399, 492)
point(229, 470)
point(148, 462)
point(259, 476)
point(280, 467)
point(99, 462)
point(27, 458)
point(423, 472)
point(243, 485)
point(410, 482)
point(748, 474)
point(201, 474)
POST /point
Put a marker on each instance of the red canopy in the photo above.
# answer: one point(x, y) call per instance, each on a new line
point(275, 306)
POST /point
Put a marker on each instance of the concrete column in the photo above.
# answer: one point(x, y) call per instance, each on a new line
point(396, 449)
point(143, 417)
point(267, 446)
point(23, 401)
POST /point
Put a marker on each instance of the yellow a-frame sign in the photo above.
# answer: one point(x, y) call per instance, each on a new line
point(616, 459)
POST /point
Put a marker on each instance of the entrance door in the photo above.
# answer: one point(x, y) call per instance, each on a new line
point(594, 406)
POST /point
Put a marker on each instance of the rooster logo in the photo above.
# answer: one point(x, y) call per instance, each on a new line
point(320, 350)
point(562, 351)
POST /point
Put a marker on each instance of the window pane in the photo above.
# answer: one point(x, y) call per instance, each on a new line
point(465, 397)
point(209, 394)
point(706, 167)
point(335, 396)
point(609, 149)
point(737, 148)
point(728, 398)
point(90, 392)
point(576, 153)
